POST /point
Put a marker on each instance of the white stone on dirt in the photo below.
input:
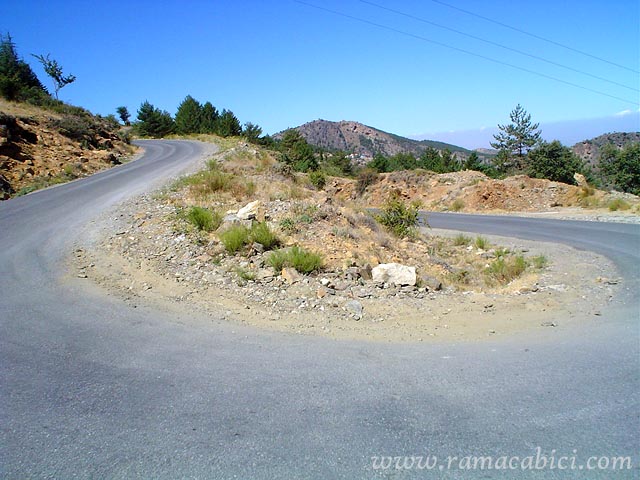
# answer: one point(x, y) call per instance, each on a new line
point(395, 273)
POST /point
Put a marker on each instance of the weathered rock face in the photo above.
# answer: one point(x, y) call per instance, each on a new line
point(395, 273)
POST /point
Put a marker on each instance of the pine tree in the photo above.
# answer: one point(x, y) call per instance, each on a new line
point(209, 118)
point(228, 125)
point(17, 80)
point(518, 137)
point(251, 132)
point(189, 116)
point(153, 122)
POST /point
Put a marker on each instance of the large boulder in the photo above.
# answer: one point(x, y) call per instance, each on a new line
point(394, 273)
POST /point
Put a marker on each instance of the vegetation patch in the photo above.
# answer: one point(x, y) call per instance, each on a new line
point(204, 219)
point(298, 258)
point(618, 204)
point(400, 218)
point(505, 269)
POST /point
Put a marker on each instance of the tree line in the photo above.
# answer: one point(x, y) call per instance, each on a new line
point(191, 117)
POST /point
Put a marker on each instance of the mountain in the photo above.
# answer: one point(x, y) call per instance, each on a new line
point(589, 150)
point(366, 142)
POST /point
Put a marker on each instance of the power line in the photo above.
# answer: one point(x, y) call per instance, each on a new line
point(490, 42)
point(524, 32)
point(484, 57)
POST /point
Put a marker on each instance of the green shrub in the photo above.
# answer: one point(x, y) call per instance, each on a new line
point(235, 238)
point(260, 233)
point(503, 270)
point(318, 179)
point(204, 219)
point(244, 274)
point(277, 260)
point(295, 257)
point(398, 217)
point(461, 240)
point(288, 225)
point(457, 205)
point(212, 165)
point(618, 204)
point(481, 243)
point(304, 261)
point(539, 261)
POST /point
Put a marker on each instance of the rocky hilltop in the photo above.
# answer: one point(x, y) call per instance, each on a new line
point(589, 150)
point(366, 142)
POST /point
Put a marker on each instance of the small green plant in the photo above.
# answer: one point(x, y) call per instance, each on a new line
point(618, 204)
point(235, 238)
point(277, 260)
point(288, 225)
point(457, 205)
point(461, 240)
point(481, 243)
point(539, 262)
point(262, 234)
point(245, 274)
point(318, 179)
point(69, 170)
point(504, 270)
point(204, 219)
point(502, 252)
point(461, 277)
point(212, 165)
point(295, 257)
point(399, 218)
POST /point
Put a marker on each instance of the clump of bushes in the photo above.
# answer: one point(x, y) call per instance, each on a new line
point(399, 218)
point(318, 179)
point(235, 238)
point(298, 258)
point(204, 219)
point(366, 177)
point(457, 205)
point(238, 236)
point(505, 269)
point(618, 204)
point(461, 240)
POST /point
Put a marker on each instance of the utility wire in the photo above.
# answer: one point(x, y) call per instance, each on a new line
point(524, 32)
point(484, 57)
point(490, 42)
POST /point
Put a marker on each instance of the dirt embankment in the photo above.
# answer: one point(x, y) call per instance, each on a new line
point(470, 191)
point(40, 147)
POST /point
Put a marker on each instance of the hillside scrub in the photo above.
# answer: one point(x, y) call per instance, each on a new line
point(315, 230)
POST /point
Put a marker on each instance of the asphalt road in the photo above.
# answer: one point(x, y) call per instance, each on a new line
point(93, 388)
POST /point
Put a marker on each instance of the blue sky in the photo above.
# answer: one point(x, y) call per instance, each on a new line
point(282, 63)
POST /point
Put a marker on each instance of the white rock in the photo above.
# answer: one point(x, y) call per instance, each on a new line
point(394, 273)
point(250, 211)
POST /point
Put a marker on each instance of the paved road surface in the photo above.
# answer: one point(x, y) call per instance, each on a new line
point(93, 388)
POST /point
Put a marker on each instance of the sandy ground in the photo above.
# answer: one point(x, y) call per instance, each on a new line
point(576, 285)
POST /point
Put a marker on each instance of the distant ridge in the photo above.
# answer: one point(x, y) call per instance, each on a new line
point(589, 150)
point(366, 142)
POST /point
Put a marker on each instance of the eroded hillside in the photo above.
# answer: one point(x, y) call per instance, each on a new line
point(41, 147)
